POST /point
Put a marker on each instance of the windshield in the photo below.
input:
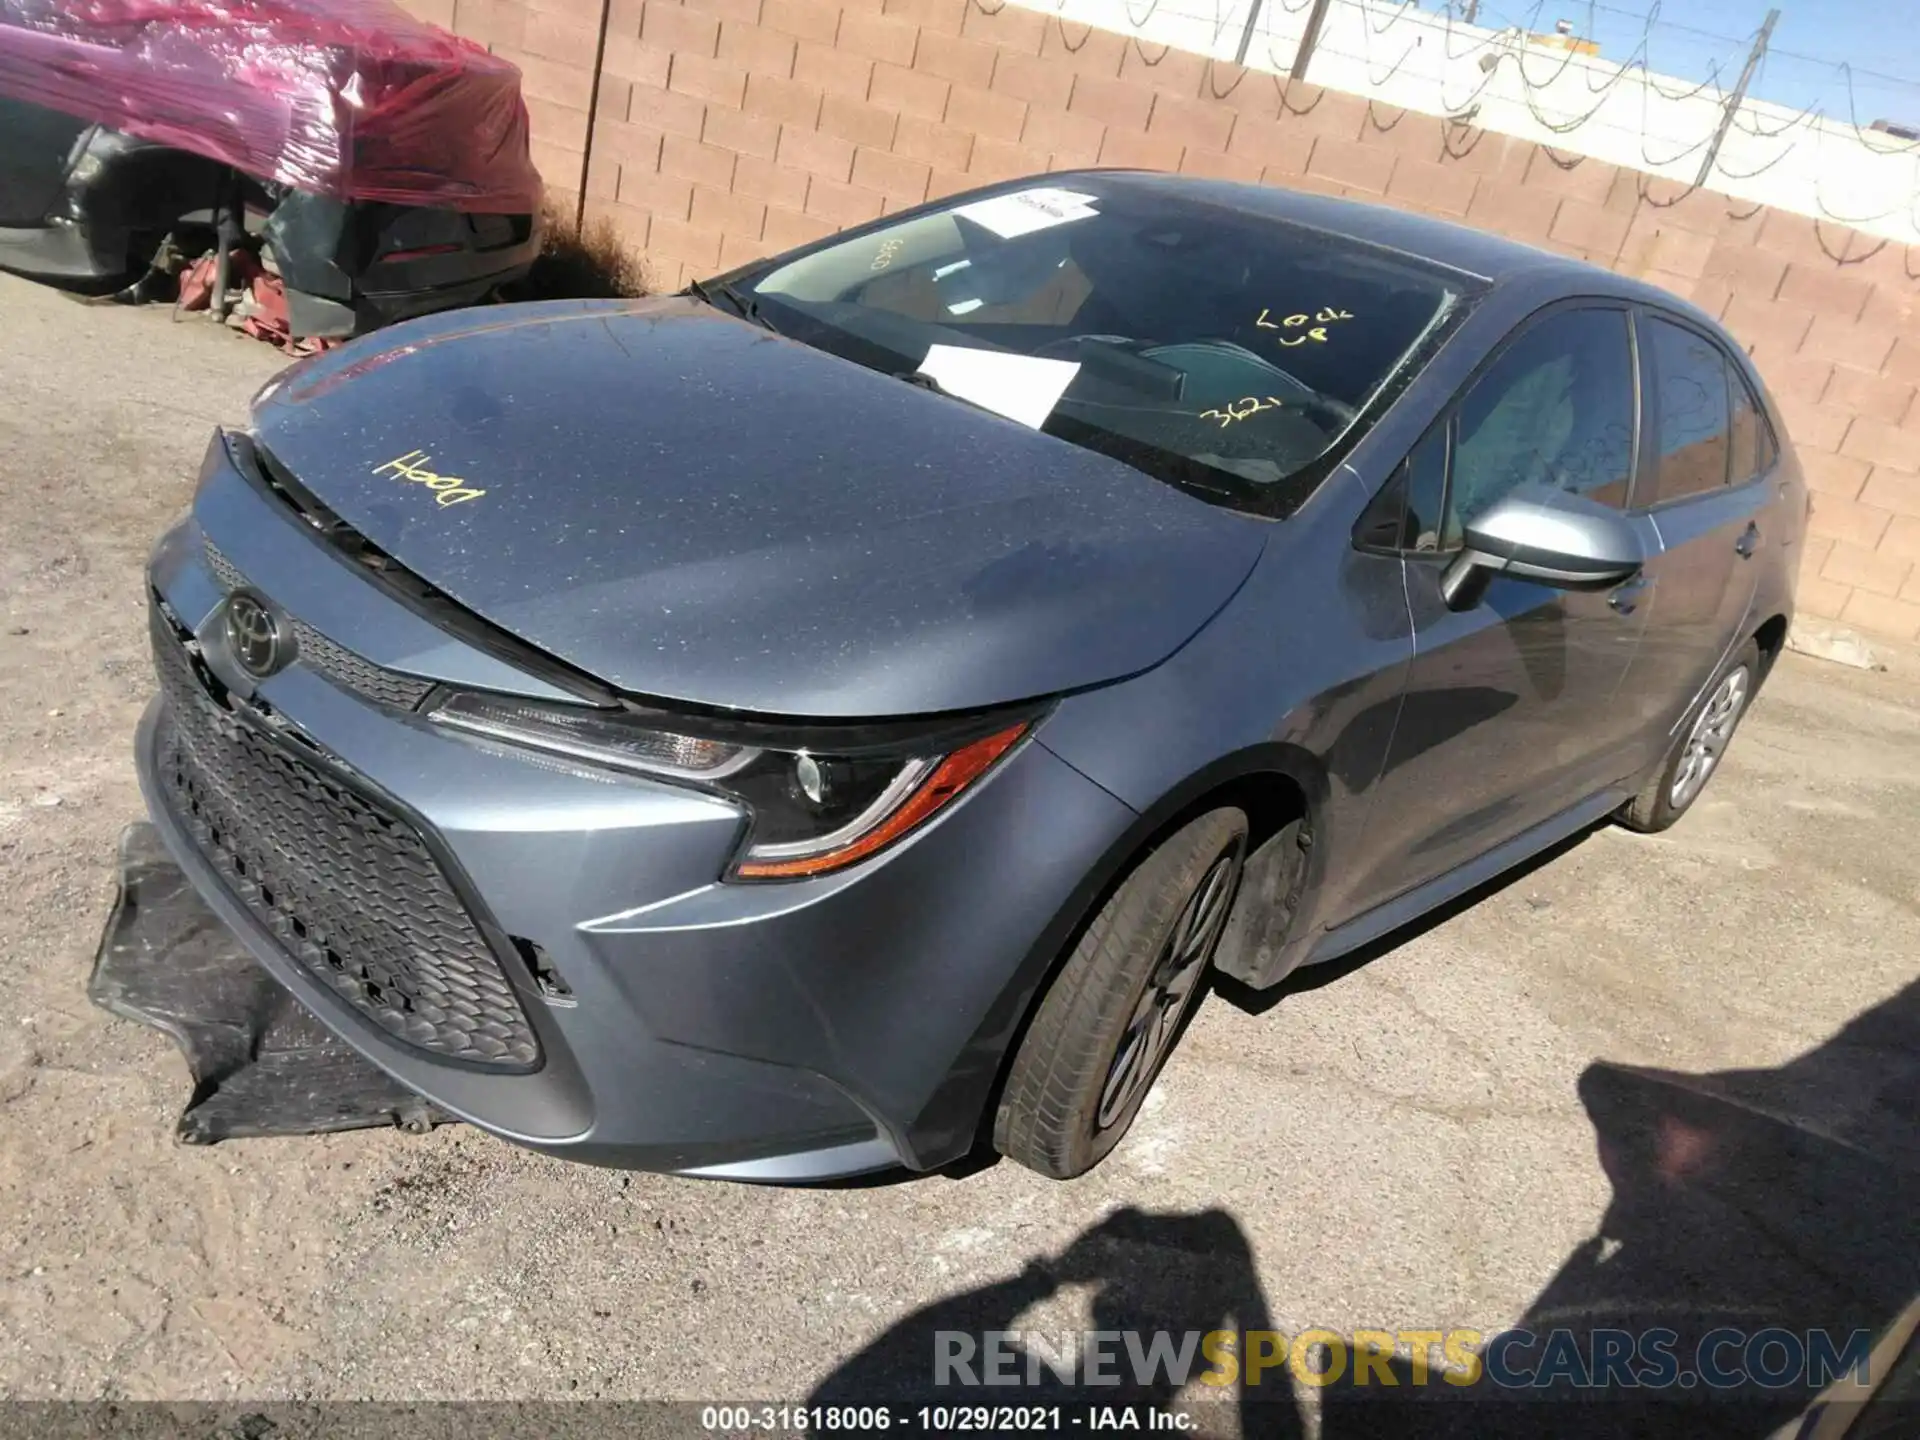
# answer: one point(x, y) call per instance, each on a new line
point(1227, 352)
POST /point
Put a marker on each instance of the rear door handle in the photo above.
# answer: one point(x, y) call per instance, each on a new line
point(1748, 542)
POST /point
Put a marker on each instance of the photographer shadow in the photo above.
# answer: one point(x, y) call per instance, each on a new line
point(1749, 1200)
point(1180, 1273)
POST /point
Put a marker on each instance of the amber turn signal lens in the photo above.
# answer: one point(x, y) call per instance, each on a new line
point(953, 775)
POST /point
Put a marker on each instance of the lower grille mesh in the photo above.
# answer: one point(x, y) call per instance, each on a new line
point(351, 891)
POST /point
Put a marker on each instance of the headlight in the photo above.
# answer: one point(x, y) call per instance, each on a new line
point(813, 808)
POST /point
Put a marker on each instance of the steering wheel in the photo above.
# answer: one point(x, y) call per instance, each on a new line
point(1342, 412)
point(1300, 396)
point(1223, 371)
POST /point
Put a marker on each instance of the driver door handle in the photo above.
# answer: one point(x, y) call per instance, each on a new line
point(1626, 596)
point(1748, 542)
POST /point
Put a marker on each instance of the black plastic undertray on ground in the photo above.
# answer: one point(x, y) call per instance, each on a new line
point(261, 1065)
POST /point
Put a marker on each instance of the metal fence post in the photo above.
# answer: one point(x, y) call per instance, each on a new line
point(1732, 107)
point(593, 114)
point(1246, 35)
point(1309, 38)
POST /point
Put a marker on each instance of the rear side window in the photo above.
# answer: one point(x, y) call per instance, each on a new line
point(1690, 399)
point(1555, 408)
point(1750, 448)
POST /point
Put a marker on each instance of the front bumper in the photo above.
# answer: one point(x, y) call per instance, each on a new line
point(778, 1032)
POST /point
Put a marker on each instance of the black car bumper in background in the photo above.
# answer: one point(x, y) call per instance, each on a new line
point(350, 268)
point(65, 249)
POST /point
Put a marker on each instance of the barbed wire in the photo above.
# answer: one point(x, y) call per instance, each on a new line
point(1394, 40)
point(1853, 117)
point(1637, 66)
point(1749, 122)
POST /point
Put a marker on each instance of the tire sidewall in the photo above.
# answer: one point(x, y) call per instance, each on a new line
point(1095, 1142)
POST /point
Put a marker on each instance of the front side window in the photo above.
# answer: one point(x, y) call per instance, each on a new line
point(1690, 396)
point(1220, 349)
point(1405, 515)
point(1555, 408)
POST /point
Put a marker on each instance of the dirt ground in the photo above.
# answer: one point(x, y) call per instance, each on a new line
point(1401, 1144)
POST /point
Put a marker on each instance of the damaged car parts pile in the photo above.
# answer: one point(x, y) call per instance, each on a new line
point(383, 162)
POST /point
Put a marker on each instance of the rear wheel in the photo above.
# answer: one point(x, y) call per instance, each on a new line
point(1108, 1022)
point(1694, 758)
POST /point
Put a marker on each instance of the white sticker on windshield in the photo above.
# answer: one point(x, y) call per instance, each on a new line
point(1028, 210)
point(1019, 387)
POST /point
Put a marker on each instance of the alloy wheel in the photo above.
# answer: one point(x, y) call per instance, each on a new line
point(1707, 741)
point(1169, 991)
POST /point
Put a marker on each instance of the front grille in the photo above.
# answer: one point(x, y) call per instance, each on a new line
point(355, 673)
point(224, 570)
point(349, 889)
point(331, 660)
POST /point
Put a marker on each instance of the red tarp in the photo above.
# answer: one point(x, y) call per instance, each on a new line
point(350, 98)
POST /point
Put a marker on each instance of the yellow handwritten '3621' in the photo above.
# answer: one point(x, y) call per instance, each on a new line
point(414, 466)
point(1242, 408)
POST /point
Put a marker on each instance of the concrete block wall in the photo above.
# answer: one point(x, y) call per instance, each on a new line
point(729, 129)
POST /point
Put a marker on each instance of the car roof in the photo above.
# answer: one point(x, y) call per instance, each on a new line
point(1460, 247)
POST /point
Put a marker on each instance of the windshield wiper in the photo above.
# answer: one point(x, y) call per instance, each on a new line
point(1170, 467)
point(728, 298)
point(922, 380)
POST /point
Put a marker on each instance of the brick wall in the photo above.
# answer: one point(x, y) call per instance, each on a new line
point(728, 129)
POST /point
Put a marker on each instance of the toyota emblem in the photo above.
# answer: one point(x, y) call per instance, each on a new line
point(253, 635)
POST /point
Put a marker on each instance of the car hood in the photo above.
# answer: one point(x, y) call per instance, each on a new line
point(692, 508)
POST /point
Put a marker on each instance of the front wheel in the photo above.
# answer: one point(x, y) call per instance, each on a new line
point(1108, 1022)
point(1696, 755)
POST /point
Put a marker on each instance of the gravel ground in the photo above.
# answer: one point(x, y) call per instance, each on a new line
point(1400, 1144)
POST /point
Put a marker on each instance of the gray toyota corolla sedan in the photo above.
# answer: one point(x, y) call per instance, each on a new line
point(836, 718)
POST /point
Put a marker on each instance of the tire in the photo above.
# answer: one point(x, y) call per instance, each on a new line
point(1132, 981)
point(1703, 740)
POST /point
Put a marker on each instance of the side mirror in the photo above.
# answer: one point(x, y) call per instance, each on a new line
point(1545, 535)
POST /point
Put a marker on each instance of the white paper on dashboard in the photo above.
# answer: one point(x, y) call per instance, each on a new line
point(1019, 387)
point(1025, 211)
